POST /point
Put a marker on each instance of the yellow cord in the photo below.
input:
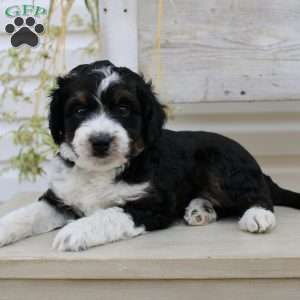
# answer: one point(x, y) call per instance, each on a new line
point(156, 57)
point(156, 53)
point(157, 44)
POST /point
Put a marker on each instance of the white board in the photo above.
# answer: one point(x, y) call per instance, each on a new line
point(223, 50)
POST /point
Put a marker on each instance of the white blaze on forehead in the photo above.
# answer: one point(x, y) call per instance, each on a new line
point(106, 71)
point(110, 78)
point(107, 81)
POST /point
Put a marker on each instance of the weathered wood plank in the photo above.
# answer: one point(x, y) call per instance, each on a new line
point(223, 50)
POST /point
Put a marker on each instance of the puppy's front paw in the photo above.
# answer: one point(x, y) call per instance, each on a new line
point(3, 239)
point(6, 236)
point(72, 237)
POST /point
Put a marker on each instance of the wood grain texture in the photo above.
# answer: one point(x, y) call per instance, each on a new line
point(223, 50)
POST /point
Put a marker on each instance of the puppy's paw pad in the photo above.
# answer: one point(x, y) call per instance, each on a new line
point(70, 238)
point(257, 220)
point(199, 212)
point(197, 218)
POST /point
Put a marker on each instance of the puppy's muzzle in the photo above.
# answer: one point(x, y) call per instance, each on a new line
point(101, 144)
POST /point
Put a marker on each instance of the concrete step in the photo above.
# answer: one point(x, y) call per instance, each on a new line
point(216, 261)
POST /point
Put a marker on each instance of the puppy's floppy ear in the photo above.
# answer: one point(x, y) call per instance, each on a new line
point(153, 113)
point(56, 113)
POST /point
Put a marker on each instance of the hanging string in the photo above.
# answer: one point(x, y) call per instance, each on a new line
point(156, 58)
point(158, 43)
point(154, 69)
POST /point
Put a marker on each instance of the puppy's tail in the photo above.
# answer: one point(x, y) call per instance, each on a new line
point(283, 197)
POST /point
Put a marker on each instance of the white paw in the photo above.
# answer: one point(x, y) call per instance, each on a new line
point(72, 237)
point(4, 240)
point(6, 235)
point(199, 212)
point(257, 219)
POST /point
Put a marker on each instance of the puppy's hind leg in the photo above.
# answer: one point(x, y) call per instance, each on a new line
point(257, 220)
point(200, 212)
point(256, 209)
point(33, 219)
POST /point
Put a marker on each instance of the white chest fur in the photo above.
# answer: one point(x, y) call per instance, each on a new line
point(91, 190)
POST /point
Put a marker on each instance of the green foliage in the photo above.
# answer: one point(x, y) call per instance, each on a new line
point(32, 138)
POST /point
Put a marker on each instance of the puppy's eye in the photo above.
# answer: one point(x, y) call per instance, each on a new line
point(124, 110)
point(80, 111)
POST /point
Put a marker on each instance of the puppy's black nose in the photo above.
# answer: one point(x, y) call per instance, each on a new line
point(100, 144)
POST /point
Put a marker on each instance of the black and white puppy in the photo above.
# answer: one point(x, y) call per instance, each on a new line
point(119, 174)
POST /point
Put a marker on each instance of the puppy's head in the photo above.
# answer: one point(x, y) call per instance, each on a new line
point(104, 115)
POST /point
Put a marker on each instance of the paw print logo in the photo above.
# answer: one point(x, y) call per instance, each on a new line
point(22, 34)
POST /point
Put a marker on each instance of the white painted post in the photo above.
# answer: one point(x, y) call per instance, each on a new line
point(119, 32)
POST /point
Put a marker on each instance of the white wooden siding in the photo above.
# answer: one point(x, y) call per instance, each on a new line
point(223, 50)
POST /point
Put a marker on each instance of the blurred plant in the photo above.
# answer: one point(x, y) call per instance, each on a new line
point(32, 136)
